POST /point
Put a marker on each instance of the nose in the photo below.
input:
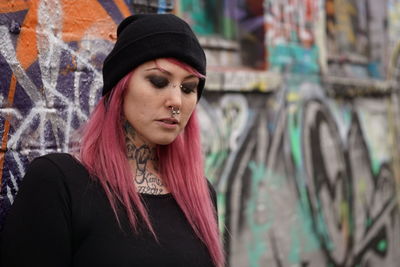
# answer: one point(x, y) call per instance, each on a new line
point(174, 97)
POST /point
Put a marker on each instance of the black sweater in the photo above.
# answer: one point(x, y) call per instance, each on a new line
point(61, 217)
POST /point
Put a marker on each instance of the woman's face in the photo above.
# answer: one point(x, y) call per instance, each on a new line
point(153, 90)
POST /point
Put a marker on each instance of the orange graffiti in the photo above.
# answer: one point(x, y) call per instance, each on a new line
point(11, 93)
point(81, 16)
point(26, 49)
point(81, 19)
point(122, 7)
point(13, 6)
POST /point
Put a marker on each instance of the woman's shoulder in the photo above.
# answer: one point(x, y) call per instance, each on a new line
point(56, 176)
point(56, 166)
point(57, 159)
point(64, 161)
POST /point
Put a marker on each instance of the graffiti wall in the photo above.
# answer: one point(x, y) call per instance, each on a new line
point(305, 176)
point(304, 182)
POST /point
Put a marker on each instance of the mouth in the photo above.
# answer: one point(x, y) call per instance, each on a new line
point(169, 121)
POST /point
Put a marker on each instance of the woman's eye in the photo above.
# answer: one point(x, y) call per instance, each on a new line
point(158, 81)
point(188, 88)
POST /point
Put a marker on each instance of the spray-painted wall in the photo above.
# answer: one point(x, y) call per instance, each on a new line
point(304, 166)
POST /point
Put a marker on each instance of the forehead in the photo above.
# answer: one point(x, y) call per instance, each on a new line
point(165, 66)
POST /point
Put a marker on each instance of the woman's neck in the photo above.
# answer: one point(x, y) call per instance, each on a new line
point(143, 159)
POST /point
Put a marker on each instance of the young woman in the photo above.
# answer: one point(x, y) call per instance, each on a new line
point(136, 193)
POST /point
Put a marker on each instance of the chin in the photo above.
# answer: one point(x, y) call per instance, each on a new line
point(165, 141)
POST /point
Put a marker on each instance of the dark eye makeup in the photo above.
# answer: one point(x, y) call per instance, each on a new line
point(160, 82)
point(189, 87)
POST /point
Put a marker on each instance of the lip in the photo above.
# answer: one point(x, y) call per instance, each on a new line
point(170, 123)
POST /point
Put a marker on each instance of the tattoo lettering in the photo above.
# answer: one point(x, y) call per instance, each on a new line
point(147, 182)
point(145, 158)
point(149, 190)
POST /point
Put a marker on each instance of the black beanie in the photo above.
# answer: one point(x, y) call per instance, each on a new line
point(144, 37)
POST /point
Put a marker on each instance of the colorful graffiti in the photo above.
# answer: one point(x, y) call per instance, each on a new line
point(240, 21)
point(357, 37)
point(303, 183)
point(291, 35)
point(202, 15)
point(50, 56)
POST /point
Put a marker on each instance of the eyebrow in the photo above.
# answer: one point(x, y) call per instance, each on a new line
point(169, 73)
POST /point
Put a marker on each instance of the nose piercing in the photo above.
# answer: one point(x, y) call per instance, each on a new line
point(174, 111)
point(175, 85)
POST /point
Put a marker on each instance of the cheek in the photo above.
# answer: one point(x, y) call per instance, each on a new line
point(188, 111)
point(131, 110)
point(134, 113)
point(127, 107)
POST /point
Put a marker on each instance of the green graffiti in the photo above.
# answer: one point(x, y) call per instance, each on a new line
point(258, 245)
point(382, 245)
point(368, 223)
point(256, 251)
point(221, 201)
point(294, 58)
point(347, 117)
point(322, 229)
point(375, 165)
point(214, 162)
point(295, 139)
point(200, 13)
point(304, 230)
point(294, 254)
point(302, 235)
point(229, 28)
point(209, 18)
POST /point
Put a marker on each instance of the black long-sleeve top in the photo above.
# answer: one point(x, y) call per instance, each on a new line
point(62, 217)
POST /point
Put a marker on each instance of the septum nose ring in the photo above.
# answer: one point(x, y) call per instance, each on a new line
point(175, 111)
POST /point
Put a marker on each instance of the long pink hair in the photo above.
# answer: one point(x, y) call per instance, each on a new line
point(103, 153)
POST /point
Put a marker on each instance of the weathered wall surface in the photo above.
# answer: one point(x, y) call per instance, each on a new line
point(303, 153)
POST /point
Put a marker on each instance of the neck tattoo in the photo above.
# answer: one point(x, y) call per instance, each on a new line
point(143, 158)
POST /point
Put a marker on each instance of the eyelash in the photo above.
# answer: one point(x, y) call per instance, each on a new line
point(161, 82)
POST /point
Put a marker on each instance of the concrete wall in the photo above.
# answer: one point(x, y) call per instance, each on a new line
point(299, 123)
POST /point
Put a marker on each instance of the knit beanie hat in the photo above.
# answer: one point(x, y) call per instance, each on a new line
point(144, 37)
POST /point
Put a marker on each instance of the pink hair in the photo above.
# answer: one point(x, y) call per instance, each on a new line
point(103, 153)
